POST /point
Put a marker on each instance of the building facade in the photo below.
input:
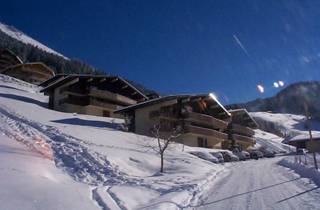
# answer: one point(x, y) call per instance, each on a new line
point(91, 94)
point(240, 130)
point(202, 120)
point(34, 73)
point(12, 65)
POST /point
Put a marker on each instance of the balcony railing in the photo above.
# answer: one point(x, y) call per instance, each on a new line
point(81, 101)
point(244, 139)
point(205, 120)
point(96, 102)
point(191, 129)
point(239, 129)
point(111, 96)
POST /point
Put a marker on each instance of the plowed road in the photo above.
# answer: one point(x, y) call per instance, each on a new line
point(262, 184)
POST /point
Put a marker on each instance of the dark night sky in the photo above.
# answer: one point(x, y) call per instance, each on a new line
point(182, 46)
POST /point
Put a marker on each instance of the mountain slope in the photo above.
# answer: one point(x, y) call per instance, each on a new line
point(30, 50)
point(285, 126)
point(33, 53)
point(289, 100)
point(18, 35)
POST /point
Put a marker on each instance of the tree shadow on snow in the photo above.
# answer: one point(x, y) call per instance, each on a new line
point(91, 123)
point(24, 99)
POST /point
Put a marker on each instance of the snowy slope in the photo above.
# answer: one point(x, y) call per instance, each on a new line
point(284, 125)
point(55, 160)
point(271, 141)
point(28, 181)
point(119, 167)
point(18, 35)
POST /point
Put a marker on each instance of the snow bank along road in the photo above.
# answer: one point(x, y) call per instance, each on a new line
point(262, 184)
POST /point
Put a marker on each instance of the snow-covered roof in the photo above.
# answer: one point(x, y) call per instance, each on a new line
point(306, 137)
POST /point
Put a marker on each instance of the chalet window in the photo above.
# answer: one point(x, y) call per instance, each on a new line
point(202, 142)
point(169, 111)
point(105, 113)
point(166, 125)
point(154, 114)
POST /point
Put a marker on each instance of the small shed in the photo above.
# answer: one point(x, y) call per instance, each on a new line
point(303, 141)
point(34, 73)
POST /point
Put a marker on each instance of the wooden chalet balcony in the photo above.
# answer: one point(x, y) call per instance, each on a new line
point(111, 96)
point(73, 93)
point(195, 130)
point(244, 139)
point(168, 115)
point(239, 129)
point(75, 101)
point(4, 61)
point(205, 120)
point(96, 102)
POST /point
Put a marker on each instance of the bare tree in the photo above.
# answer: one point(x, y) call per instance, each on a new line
point(164, 139)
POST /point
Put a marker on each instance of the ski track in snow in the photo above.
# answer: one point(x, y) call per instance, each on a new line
point(98, 199)
point(70, 153)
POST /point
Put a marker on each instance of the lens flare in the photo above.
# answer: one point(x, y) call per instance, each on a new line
point(214, 97)
point(260, 88)
point(276, 85)
point(281, 83)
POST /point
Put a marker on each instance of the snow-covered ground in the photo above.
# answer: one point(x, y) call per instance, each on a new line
point(305, 168)
point(55, 160)
point(285, 125)
point(271, 141)
point(29, 181)
point(18, 35)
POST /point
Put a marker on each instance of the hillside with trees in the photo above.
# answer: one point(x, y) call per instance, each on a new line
point(30, 53)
